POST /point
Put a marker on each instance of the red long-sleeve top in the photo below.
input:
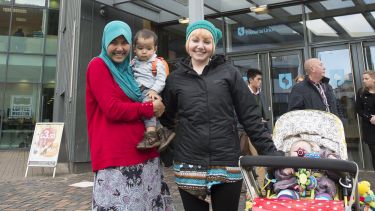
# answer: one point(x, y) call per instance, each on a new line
point(114, 121)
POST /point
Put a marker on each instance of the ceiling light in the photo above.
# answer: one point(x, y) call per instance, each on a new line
point(183, 20)
point(259, 9)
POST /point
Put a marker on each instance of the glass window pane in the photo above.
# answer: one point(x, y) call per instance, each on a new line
point(284, 68)
point(3, 59)
point(24, 68)
point(227, 5)
point(4, 27)
point(172, 41)
point(337, 4)
point(21, 111)
point(27, 31)
point(5, 1)
point(41, 3)
point(341, 80)
point(54, 4)
point(336, 20)
point(355, 25)
point(370, 57)
point(52, 31)
point(49, 69)
point(277, 28)
point(47, 102)
point(244, 64)
point(218, 24)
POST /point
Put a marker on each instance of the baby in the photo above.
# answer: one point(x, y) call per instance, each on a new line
point(288, 183)
point(151, 82)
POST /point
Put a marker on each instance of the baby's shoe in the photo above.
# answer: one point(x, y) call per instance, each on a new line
point(165, 137)
point(150, 140)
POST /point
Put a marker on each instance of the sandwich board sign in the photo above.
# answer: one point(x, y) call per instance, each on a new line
point(45, 145)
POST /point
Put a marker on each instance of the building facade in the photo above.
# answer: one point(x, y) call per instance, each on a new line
point(276, 40)
point(28, 49)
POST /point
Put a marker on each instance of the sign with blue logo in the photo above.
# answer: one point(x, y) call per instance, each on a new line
point(241, 31)
point(336, 77)
point(285, 80)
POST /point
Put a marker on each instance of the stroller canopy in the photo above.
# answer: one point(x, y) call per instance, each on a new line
point(323, 128)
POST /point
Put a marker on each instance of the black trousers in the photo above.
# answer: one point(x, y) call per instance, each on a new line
point(372, 150)
point(224, 197)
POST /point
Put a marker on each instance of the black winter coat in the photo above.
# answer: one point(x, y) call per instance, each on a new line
point(365, 107)
point(305, 95)
point(206, 131)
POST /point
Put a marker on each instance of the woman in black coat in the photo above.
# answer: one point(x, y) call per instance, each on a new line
point(365, 106)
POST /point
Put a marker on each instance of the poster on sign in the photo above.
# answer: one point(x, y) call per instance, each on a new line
point(45, 145)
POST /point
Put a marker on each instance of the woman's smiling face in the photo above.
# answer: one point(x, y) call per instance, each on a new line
point(118, 49)
point(200, 45)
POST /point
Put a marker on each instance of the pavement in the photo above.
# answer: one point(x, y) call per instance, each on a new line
point(39, 191)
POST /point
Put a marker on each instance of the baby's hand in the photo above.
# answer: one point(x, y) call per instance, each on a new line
point(288, 171)
point(151, 94)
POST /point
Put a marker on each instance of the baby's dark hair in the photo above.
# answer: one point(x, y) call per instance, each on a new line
point(145, 34)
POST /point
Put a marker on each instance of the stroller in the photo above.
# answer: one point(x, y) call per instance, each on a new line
point(310, 139)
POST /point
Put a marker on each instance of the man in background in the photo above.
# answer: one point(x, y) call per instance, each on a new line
point(254, 81)
point(314, 92)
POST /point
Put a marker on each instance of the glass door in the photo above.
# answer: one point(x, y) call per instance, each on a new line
point(369, 55)
point(246, 62)
point(285, 66)
point(338, 64)
point(258, 61)
point(369, 50)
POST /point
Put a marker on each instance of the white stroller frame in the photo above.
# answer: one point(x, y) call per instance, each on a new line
point(323, 128)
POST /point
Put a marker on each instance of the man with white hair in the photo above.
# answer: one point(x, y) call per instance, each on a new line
point(314, 92)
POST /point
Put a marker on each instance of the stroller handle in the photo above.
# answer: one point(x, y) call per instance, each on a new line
point(299, 162)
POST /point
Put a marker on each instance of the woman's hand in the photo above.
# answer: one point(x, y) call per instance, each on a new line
point(158, 107)
point(372, 120)
point(152, 95)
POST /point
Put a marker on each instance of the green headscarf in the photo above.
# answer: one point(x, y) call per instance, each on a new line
point(121, 72)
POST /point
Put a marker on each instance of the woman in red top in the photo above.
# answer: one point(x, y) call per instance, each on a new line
point(125, 178)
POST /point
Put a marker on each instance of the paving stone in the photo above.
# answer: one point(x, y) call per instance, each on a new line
point(42, 192)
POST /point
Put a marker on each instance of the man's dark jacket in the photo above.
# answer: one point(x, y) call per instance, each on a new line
point(305, 95)
point(206, 132)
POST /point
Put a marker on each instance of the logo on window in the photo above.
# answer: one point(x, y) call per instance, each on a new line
point(285, 80)
point(241, 31)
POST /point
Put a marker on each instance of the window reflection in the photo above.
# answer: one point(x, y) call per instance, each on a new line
point(296, 10)
point(3, 59)
point(284, 68)
point(54, 4)
point(244, 64)
point(336, 19)
point(369, 1)
point(355, 25)
point(41, 3)
point(261, 31)
point(49, 71)
point(341, 80)
point(320, 28)
point(336, 4)
point(20, 114)
point(4, 27)
point(27, 31)
point(47, 102)
point(5, 1)
point(24, 68)
point(225, 5)
point(370, 57)
point(52, 32)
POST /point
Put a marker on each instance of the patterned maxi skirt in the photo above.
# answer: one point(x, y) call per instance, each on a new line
point(132, 188)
